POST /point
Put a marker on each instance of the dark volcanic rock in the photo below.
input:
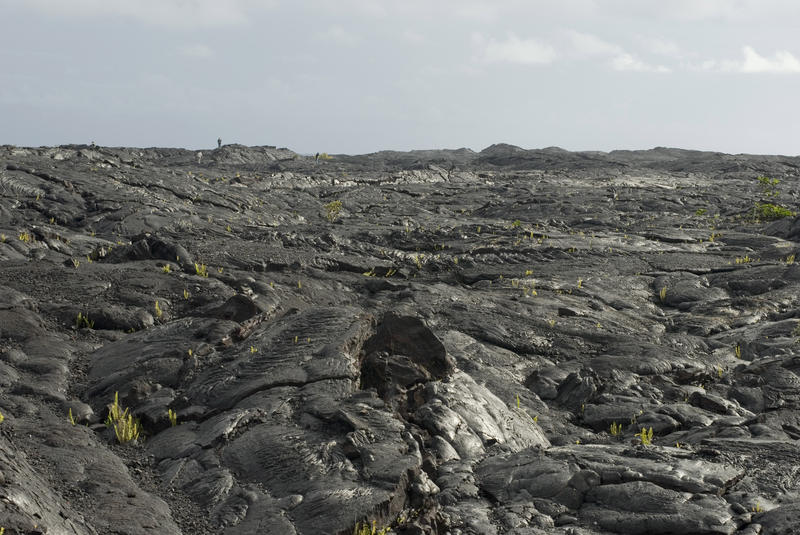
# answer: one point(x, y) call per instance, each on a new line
point(443, 341)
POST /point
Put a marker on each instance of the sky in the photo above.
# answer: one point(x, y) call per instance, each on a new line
point(358, 76)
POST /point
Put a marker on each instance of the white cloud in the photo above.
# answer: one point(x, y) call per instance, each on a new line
point(586, 44)
point(339, 36)
point(627, 62)
point(196, 50)
point(661, 47)
point(782, 62)
point(170, 13)
point(513, 50)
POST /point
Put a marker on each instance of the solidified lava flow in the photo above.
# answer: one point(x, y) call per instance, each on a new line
point(437, 342)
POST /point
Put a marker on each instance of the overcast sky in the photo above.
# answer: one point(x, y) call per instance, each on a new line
point(356, 76)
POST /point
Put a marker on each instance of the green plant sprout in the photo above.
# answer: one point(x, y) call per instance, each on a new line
point(71, 417)
point(159, 312)
point(663, 294)
point(616, 429)
point(768, 186)
point(126, 428)
point(173, 417)
point(201, 269)
point(332, 210)
point(366, 528)
point(645, 436)
point(83, 320)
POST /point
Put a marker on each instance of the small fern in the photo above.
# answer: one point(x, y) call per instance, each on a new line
point(616, 429)
point(646, 436)
point(126, 428)
point(201, 269)
point(365, 528)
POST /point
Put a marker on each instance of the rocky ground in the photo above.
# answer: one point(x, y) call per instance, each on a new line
point(436, 341)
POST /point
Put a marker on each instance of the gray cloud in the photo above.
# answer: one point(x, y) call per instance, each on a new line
point(363, 75)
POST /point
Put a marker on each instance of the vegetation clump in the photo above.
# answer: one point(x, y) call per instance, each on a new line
point(126, 427)
point(768, 211)
point(332, 210)
point(201, 269)
point(646, 436)
point(771, 212)
point(83, 321)
point(768, 186)
point(616, 429)
point(365, 528)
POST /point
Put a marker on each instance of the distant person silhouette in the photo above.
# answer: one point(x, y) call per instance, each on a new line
point(199, 157)
point(316, 158)
point(219, 142)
